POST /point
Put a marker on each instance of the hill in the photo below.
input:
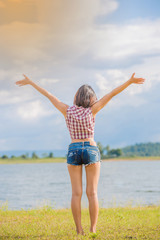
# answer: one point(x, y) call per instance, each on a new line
point(142, 149)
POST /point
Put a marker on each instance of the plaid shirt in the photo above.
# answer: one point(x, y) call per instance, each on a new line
point(80, 122)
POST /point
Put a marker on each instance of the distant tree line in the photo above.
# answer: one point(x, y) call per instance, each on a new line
point(141, 149)
point(106, 152)
point(26, 156)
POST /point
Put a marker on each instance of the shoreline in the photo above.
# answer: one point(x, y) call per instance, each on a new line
point(130, 159)
point(64, 160)
point(4, 207)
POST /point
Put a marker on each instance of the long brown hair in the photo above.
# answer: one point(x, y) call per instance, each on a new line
point(84, 95)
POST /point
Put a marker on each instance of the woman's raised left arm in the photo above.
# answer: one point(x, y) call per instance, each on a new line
point(62, 107)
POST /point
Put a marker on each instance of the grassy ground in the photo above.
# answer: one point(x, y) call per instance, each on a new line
point(140, 222)
point(30, 160)
point(52, 160)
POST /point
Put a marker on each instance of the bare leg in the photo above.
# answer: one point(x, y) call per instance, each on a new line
point(76, 181)
point(92, 177)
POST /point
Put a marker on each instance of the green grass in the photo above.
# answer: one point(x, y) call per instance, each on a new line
point(30, 160)
point(60, 159)
point(140, 222)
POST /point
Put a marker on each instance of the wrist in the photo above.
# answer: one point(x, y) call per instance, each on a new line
point(30, 82)
point(130, 81)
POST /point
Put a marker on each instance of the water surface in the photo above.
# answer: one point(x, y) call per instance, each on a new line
point(32, 185)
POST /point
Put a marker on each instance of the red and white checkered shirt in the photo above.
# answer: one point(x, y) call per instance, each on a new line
point(80, 122)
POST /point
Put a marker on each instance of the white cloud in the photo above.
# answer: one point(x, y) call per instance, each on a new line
point(3, 74)
point(66, 31)
point(58, 31)
point(7, 98)
point(44, 81)
point(61, 42)
point(33, 110)
point(114, 78)
point(103, 84)
point(46, 45)
point(11, 93)
point(112, 41)
point(66, 16)
point(108, 7)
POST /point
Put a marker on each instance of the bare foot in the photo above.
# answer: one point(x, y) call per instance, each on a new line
point(92, 230)
point(80, 232)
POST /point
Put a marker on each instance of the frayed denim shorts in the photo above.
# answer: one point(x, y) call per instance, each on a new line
point(83, 153)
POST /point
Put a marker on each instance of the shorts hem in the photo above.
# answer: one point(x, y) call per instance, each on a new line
point(91, 163)
point(74, 164)
point(83, 163)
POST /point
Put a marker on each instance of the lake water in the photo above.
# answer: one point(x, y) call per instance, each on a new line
point(34, 185)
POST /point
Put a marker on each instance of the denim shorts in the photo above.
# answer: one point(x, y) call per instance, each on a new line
point(83, 153)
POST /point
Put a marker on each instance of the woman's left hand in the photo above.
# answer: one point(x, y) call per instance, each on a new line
point(25, 81)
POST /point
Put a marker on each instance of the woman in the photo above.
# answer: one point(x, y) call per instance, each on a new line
point(80, 120)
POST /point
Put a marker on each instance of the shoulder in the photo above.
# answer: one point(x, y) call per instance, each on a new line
point(65, 109)
point(71, 108)
point(92, 111)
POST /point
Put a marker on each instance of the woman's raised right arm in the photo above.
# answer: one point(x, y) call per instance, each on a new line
point(106, 98)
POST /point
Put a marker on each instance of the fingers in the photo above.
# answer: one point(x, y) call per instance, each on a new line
point(141, 82)
point(18, 82)
point(25, 76)
point(133, 74)
point(140, 79)
point(137, 78)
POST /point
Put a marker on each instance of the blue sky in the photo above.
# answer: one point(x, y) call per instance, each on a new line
point(62, 45)
point(131, 10)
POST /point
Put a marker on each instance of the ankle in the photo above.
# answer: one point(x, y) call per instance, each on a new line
point(93, 229)
point(80, 231)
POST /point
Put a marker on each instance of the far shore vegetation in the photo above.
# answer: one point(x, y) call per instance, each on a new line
point(142, 151)
point(63, 160)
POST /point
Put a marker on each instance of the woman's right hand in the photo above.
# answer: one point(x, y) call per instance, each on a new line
point(25, 81)
point(136, 80)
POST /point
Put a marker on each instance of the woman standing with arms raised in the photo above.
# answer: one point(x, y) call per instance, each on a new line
point(80, 120)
